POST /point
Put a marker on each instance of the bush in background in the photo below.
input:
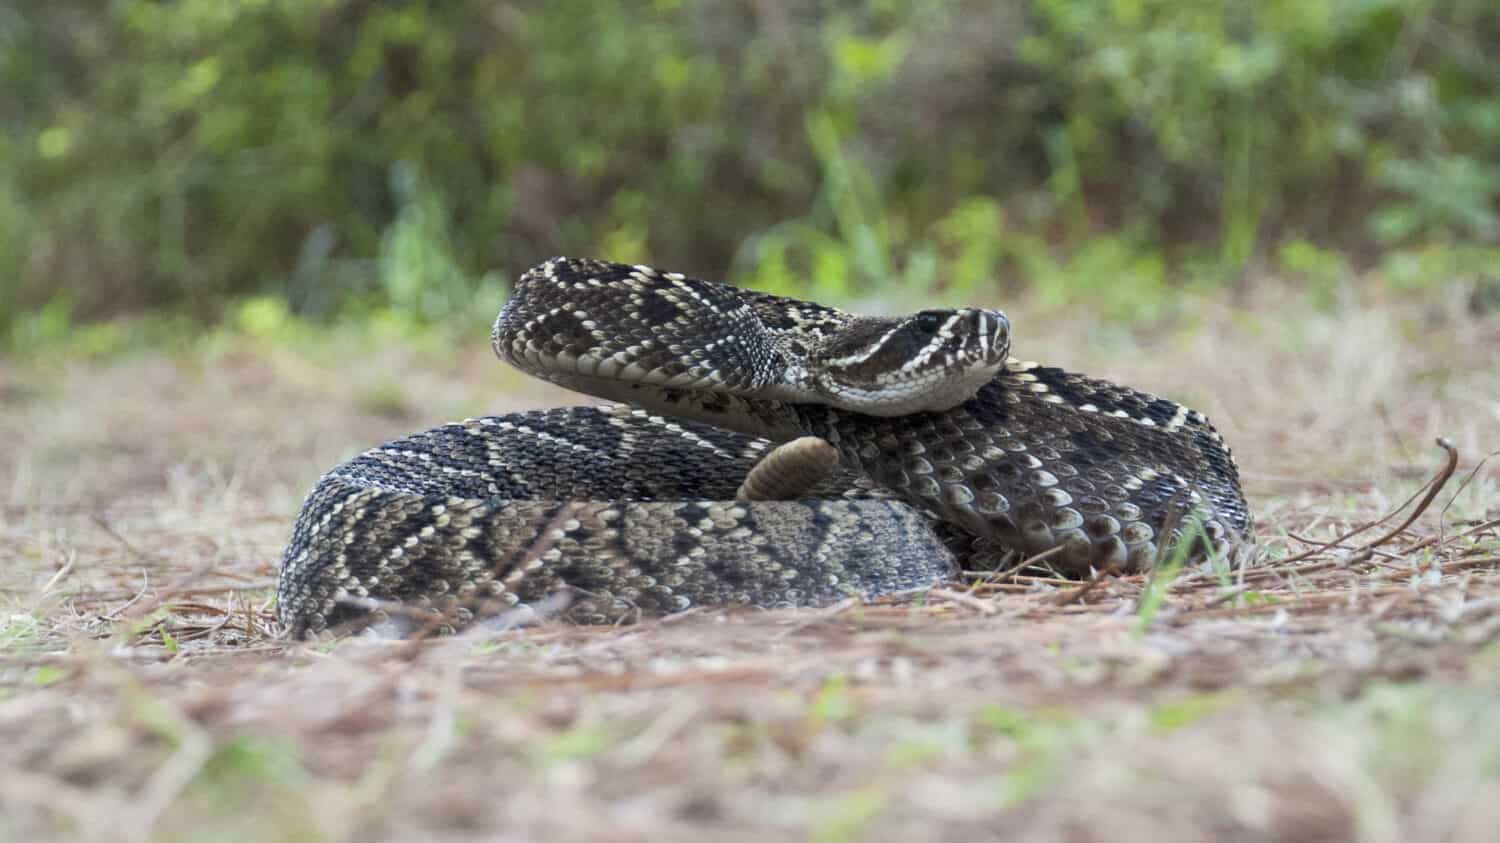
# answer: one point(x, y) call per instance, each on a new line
point(351, 156)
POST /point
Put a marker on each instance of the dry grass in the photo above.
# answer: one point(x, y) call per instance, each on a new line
point(1348, 695)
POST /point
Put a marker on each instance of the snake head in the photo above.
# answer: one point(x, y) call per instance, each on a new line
point(932, 360)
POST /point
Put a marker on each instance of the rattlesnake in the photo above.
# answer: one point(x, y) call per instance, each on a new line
point(947, 450)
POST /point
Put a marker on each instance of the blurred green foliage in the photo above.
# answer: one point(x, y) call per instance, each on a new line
point(347, 156)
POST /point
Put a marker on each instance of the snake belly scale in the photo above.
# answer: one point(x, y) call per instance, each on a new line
point(948, 450)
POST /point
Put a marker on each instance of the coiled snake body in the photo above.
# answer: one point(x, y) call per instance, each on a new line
point(946, 447)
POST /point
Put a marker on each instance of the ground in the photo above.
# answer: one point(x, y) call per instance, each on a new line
point(1340, 691)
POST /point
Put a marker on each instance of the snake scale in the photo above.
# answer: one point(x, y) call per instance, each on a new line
point(945, 450)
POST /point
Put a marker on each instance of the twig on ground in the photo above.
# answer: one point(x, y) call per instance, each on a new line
point(1232, 594)
point(168, 591)
point(1435, 486)
point(1464, 484)
point(156, 600)
point(1014, 570)
point(145, 585)
point(61, 574)
point(1084, 590)
point(101, 523)
point(1432, 486)
point(983, 607)
point(1437, 538)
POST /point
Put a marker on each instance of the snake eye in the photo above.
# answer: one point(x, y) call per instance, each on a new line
point(930, 320)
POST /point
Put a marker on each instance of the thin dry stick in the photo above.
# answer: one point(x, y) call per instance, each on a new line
point(124, 542)
point(962, 598)
point(1432, 486)
point(1449, 567)
point(61, 574)
point(1226, 597)
point(1436, 539)
point(1436, 486)
point(169, 591)
point(1026, 578)
point(145, 586)
point(1012, 571)
point(1084, 590)
point(1461, 486)
point(155, 601)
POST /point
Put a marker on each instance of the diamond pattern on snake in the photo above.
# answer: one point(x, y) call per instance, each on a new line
point(917, 446)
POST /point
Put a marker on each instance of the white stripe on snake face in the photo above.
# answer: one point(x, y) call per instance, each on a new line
point(987, 326)
point(935, 344)
point(868, 351)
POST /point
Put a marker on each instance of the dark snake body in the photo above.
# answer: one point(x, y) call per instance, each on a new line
point(631, 510)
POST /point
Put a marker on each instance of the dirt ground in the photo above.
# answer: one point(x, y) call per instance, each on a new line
point(1335, 687)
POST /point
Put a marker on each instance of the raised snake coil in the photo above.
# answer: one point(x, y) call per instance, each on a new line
point(947, 450)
